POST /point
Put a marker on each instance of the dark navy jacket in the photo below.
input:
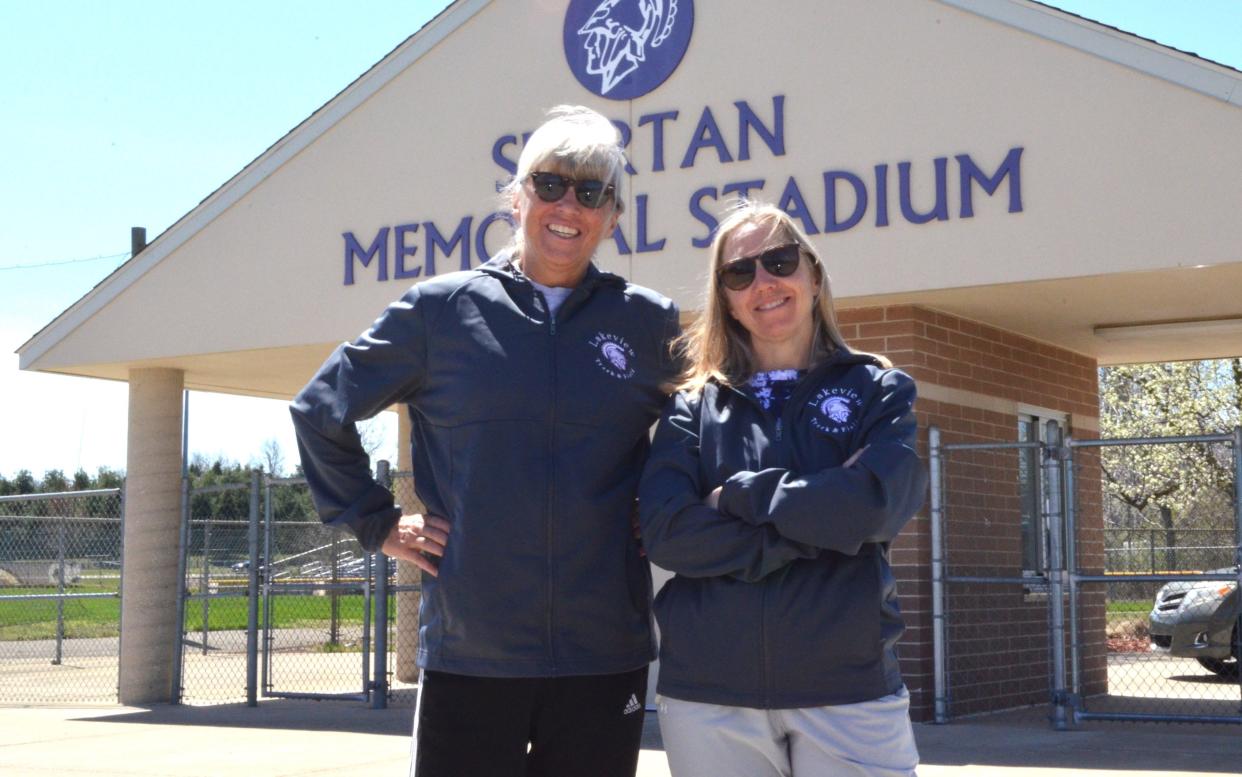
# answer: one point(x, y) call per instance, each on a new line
point(783, 597)
point(529, 434)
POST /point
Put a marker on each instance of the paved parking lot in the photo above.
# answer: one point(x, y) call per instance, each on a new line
point(283, 737)
point(331, 739)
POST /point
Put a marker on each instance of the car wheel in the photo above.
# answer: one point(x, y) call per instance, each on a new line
point(1224, 667)
point(1220, 667)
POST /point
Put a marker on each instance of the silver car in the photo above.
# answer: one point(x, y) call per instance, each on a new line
point(1199, 619)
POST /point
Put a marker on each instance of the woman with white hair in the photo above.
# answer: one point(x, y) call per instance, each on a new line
point(779, 474)
point(531, 383)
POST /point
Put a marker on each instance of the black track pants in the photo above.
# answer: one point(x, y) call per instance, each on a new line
point(589, 726)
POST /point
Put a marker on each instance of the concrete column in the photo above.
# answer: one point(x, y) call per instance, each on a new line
point(150, 634)
point(407, 573)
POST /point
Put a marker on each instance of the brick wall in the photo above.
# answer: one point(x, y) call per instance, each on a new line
point(972, 377)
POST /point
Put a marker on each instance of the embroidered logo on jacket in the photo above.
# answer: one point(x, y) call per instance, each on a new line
point(616, 357)
point(836, 410)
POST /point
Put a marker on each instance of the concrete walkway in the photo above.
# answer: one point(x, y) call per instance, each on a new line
point(332, 738)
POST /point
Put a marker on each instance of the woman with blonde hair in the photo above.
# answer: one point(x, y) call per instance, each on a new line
point(780, 472)
point(531, 384)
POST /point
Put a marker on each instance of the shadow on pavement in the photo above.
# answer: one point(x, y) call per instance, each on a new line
point(1017, 739)
point(298, 714)
point(1024, 738)
point(301, 714)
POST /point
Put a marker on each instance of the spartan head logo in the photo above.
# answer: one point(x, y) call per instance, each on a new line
point(613, 355)
point(622, 49)
point(618, 34)
point(836, 408)
point(616, 355)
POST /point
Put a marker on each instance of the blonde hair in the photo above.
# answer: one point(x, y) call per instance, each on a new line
point(716, 347)
point(574, 141)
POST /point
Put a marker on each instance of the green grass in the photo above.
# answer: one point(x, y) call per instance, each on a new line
point(36, 619)
point(1129, 606)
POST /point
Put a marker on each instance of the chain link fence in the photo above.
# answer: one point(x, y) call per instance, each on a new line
point(60, 607)
point(275, 603)
point(216, 594)
point(991, 611)
point(317, 591)
point(1095, 579)
point(404, 596)
point(1167, 576)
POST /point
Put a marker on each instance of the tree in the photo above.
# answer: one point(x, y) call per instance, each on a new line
point(1168, 484)
point(273, 458)
point(24, 482)
point(54, 481)
point(105, 477)
point(373, 435)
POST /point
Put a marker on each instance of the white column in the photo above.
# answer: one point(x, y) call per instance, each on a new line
point(150, 635)
point(407, 573)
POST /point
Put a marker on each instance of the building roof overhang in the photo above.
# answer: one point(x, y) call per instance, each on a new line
point(1075, 311)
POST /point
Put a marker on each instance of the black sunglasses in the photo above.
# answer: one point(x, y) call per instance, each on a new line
point(551, 187)
point(781, 261)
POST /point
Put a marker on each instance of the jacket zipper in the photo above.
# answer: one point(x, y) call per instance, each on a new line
point(551, 495)
point(781, 446)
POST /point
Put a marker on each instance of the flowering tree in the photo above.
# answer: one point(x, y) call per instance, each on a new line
point(1187, 485)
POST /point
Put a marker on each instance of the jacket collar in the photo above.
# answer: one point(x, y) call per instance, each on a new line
point(502, 266)
point(837, 359)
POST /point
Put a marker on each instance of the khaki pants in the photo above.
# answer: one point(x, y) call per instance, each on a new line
point(868, 739)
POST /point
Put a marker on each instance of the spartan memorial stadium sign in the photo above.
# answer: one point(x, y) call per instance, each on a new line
point(622, 49)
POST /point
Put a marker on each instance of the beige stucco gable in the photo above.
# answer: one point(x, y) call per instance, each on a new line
point(1126, 171)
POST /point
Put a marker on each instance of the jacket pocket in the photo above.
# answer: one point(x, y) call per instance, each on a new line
point(827, 626)
point(710, 638)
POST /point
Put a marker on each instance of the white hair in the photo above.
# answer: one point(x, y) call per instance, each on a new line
point(574, 141)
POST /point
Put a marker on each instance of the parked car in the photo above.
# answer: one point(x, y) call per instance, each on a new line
point(1199, 619)
point(244, 565)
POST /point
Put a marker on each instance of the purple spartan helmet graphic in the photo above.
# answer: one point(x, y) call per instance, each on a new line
point(618, 34)
point(616, 355)
point(836, 408)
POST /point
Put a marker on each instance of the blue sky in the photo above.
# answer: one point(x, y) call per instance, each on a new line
point(128, 113)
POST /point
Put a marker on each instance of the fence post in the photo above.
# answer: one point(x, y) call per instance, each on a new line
point(1069, 505)
point(1151, 549)
point(265, 583)
point(1056, 575)
point(1237, 545)
point(334, 598)
point(60, 590)
point(120, 579)
point(379, 682)
point(939, 660)
point(178, 668)
point(204, 580)
point(252, 595)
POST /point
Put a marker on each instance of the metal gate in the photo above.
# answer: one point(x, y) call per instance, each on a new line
point(317, 587)
point(274, 604)
point(217, 640)
point(1048, 590)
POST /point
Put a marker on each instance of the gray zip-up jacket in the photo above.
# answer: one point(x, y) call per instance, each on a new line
point(783, 597)
point(529, 433)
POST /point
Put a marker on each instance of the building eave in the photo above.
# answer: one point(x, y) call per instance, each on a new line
point(251, 176)
point(1112, 44)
